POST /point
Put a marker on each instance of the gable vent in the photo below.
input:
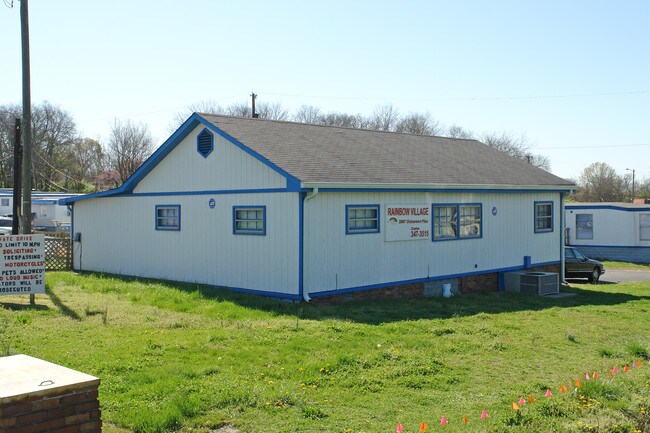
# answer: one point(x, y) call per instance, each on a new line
point(205, 143)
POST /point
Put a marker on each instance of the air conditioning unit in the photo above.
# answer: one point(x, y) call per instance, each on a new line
point(534, 283)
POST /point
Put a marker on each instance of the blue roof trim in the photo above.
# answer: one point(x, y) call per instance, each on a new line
point(610, 207)
point(609, 246)
point(293, 183)
point(424, 280)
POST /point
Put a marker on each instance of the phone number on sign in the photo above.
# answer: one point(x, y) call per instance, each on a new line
point(416, 233)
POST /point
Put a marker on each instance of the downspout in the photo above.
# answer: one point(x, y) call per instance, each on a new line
point(309, 196)
point(562, 240)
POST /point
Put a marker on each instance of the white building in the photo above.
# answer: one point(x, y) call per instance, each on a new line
point(610, 231)
point(48, 213)
point(302, 211)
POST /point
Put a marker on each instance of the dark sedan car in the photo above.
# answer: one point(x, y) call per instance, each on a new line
point(577, 265)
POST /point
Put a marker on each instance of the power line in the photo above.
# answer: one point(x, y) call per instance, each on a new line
point(592, 147)
point(471, 98)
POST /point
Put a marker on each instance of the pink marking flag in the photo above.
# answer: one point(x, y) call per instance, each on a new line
point(484, 415)
point(443, 421)
point(548, 393)
point(400, 428)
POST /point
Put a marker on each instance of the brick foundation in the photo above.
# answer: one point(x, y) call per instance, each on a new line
point(65, 403)
point(469, 284)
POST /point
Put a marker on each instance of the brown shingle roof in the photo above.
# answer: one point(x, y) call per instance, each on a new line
point(326, 154)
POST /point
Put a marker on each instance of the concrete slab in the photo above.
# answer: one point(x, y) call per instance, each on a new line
point(23, 376)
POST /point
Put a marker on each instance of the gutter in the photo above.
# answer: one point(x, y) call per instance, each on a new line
point(310, 195)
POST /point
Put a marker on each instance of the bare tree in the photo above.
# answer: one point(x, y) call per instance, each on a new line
point(519, 147)
point(457, 131)
point(418, 123)
point(129, 145)
point(272, 111)
point(308, 114)
point(384, 118)
point(343, 120)
point(599, 182)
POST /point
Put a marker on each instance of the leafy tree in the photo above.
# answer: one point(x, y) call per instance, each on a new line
point(53, 130)
point(129, 145)
point(599, 182)
point(86, 159)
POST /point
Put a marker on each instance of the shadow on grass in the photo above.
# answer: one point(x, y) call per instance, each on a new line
point(21, 307)
point(393, 310)
point(65, 310)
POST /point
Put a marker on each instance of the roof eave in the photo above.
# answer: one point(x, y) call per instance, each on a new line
point(324, 186)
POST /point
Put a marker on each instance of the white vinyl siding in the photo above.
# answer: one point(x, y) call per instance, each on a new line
point(118, 238)
point(227, 168)
point(334, 260)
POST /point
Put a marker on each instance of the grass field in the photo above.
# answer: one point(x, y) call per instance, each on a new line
point(191, 358)
point(626, 266)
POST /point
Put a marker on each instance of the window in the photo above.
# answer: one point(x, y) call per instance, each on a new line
point(457, 221)
point(205, 143)
point(249, 220)
point(584, 226)
point(168, 217)
point(644, 226)
point(543, 216)
point(361, 219)
point(5, 202)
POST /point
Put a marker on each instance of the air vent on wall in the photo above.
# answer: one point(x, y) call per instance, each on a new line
point(205, 143)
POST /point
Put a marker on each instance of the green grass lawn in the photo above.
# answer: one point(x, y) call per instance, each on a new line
point(626, 266)
point(191, 358)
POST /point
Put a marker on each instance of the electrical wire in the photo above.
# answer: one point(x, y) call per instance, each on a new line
point(488, 98)
point(592, 147)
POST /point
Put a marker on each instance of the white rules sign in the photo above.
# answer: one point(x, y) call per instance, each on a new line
point(22, 264)
point(408, 222)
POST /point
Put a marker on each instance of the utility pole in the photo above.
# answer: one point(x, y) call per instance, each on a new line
point(253, 96)
point(27, 127)
point(18, 159)
point(632, 170)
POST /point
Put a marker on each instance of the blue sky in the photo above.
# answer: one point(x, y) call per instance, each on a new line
point(572, 76)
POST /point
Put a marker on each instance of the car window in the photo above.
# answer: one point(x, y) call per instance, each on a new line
point(569, 253)
point(579, 255)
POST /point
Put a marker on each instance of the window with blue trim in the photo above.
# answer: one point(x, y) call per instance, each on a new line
point(543, 216)
point(457, 221)
point(168, 217)
point(205, 143)
point(249, 220)
point(361, 219)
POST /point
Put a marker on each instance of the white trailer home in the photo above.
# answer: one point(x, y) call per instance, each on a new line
point(301, 211)
point(610, 231)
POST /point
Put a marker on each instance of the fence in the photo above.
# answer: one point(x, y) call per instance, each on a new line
point(58, 252)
